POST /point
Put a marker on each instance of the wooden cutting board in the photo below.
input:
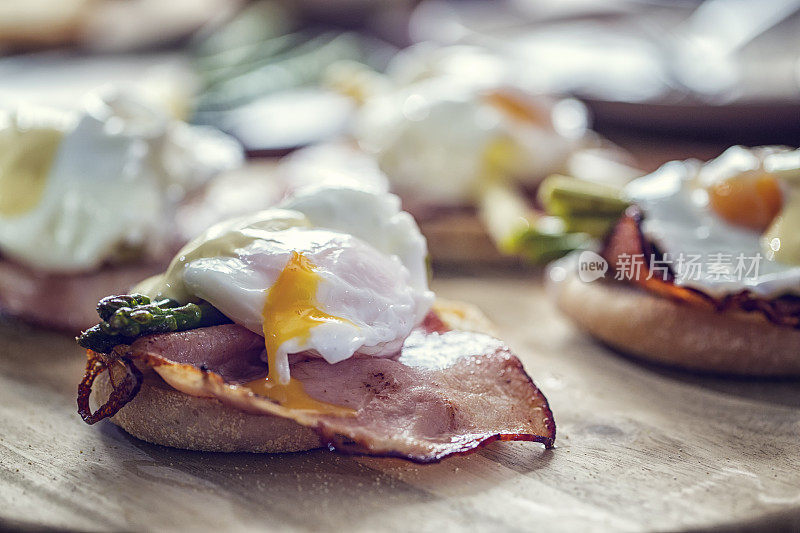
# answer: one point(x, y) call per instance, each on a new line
point(639, 448)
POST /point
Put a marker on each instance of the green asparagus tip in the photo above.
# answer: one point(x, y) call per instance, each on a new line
point(126, 317)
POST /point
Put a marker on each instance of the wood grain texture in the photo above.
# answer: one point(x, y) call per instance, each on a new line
point(639, 448)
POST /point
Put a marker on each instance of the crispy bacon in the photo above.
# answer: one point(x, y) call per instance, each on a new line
point(449, 392)
point(627, 240)
point(126, 386)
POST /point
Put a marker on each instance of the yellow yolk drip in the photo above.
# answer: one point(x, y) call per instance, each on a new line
point(290, 311)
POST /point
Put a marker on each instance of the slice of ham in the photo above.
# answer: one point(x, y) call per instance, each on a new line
point(64, 302)
point(449, 392)
point(627, 239)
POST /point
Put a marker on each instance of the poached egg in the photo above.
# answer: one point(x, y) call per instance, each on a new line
point(438, 138)
point(727, 214)
point(332, 272)
point(84, 188)
point(446, 119)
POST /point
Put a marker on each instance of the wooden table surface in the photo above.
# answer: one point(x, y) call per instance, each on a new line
point(638, 449)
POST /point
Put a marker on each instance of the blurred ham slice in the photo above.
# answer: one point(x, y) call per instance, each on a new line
point(63, 302)
point(449, 392)
point(627, 240)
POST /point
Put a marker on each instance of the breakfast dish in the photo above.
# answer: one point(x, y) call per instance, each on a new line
point(705, 267)
point(307, 325)
point(88, 201)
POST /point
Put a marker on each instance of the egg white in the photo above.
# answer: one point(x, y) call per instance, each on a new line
point(679, 221)
point(374, 217)
point(368, 289)
point(431, 139)
point(113, 183)
point(333, 164)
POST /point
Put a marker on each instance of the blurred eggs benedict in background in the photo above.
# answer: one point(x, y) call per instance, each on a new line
point(465, 143)
point(88, 199)
point(705, 265)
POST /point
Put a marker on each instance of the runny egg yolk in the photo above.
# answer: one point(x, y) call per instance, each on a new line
point(751, 200)
point(290, 312)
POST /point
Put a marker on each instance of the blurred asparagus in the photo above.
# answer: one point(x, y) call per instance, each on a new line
point(519, 230)
point(266, 50)
point(597, 227)
point(584, 206)
point(126, 317)
point(575, 213)
point(565, 196)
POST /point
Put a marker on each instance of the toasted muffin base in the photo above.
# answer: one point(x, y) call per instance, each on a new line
point(160, 414)
point(641, 324)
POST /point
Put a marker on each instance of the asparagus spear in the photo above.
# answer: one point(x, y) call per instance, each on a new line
point(564, 196)
point(596, 226)
point(584, 206)
point(519, 230)
point(126, 317)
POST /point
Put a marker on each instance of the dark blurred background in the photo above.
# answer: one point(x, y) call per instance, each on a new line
point(663, 79)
